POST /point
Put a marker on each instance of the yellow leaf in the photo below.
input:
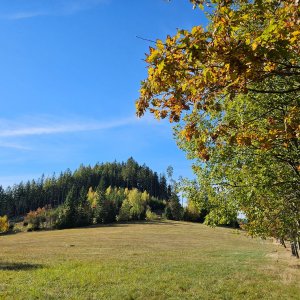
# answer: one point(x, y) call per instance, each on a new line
point(254, 46)
point(160, 66)
point(160, 45)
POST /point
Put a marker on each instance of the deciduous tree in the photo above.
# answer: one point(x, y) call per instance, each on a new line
point(234, 89)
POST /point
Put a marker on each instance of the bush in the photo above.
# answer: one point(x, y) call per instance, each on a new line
point(35, 219)
point(151, 216)
point(4, 224)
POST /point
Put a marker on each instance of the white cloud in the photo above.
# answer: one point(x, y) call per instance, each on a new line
point(58, 127)
point(27, 132)
point(13, 146)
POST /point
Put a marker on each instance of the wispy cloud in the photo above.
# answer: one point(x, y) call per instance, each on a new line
point(59, 127)
point(22, 15)
point(57, 8)
point(13, 146)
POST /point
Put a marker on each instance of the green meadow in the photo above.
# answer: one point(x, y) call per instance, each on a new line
point(147, 260)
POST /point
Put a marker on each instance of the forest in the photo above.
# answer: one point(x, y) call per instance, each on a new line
point(102, 194)
point(52, 191)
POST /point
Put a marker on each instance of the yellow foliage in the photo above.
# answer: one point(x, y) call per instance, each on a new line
point(92, 197)
point(4, 224)
point(241, 47)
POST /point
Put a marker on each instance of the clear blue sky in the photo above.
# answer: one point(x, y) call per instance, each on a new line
point(69, 77)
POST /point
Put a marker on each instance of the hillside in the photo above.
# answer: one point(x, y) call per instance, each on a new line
point(23, 197)
point(158, 260)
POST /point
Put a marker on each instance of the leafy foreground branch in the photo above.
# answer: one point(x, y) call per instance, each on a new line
point(234, 90)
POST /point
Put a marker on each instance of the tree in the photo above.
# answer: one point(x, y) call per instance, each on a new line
point(134, 205)
point(138, 203)
point(83, 210)
point(234, 90)
point(193, 75)
point(174, 210)
point(3, 204)
point(70, 209)
point(246, 42)
point(197, 201)
point(124, 213)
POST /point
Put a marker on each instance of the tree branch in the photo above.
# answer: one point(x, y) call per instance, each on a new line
point(274, 92)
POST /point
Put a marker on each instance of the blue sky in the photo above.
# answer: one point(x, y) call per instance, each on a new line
point(70, 75)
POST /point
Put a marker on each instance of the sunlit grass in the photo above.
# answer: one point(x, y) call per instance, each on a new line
point(160, 260)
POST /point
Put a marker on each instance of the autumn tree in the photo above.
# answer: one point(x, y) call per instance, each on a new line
point(134, 205)
point(234, 88)
point(4, 224)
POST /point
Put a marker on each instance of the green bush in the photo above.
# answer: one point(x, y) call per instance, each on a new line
point(151, 216)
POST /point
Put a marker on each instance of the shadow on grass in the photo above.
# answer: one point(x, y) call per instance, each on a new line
point(129, 223)
point(12, 232)
point(8, 266)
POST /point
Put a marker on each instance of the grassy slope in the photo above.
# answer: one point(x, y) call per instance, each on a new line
point(168, 260)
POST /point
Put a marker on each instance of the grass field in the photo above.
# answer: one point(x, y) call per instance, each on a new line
point(160, 260)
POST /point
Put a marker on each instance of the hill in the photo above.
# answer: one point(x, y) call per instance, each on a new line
point(23, 197)
point(154, 260)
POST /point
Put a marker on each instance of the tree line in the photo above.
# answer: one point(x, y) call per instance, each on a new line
point(19, 199)
point(104, 206)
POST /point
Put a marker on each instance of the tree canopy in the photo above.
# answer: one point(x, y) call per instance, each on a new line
point(245, 44)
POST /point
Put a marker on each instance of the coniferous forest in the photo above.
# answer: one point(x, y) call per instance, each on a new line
point(19, 199)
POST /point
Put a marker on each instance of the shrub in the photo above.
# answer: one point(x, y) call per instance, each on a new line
point(35, 219)
point(151, 216)
point(4, 224)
